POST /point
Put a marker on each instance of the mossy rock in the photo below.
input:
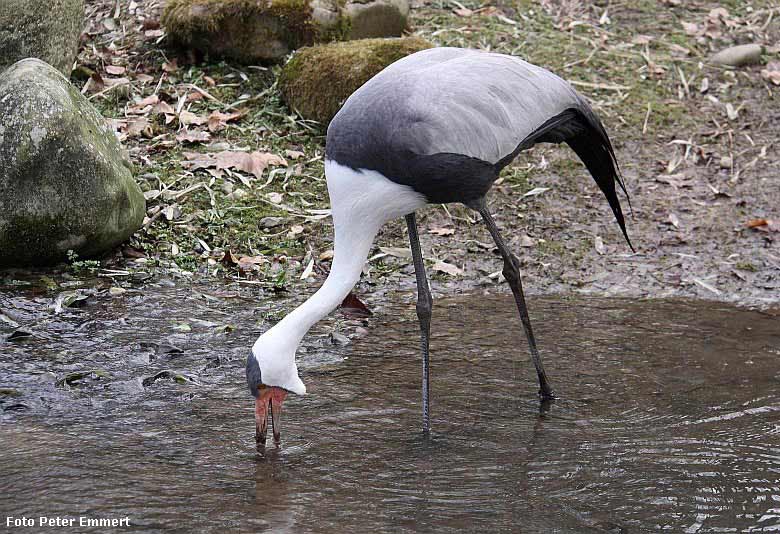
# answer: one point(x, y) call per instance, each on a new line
point(250, 31)
point(64, 182)
point(318, 79)
point(376, 18)
point(45, 29)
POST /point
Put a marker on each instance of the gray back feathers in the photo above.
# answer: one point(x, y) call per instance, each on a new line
point(452, 100)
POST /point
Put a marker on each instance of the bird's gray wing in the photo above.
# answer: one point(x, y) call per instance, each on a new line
point(467, 102)
point(445, 121)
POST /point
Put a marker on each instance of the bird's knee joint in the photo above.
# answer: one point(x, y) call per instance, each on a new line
point(511, 271)
point(424, 307)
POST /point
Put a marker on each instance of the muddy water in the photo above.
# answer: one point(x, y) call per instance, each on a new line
point(669, 418)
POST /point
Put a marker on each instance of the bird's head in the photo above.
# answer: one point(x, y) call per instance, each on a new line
point(271, 374)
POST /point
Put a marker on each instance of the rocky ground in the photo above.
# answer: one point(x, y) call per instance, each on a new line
point(697, 144)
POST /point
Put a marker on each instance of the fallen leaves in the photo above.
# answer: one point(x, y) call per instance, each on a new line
point(115, 70)
point(218, 121)
point(397, 252)
point(353, 307)
point(448, 268)
point(193, 136)
point(441, 231)
point(764, 225)
point(187, 118)
point(137, 127)
point(254, 163)
point(772, 72)
point(536, 191)
point(245, 264)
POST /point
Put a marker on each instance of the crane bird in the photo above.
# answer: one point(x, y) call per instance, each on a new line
point(434, 127)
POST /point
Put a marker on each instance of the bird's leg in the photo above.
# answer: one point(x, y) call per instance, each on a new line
point(424, 312)
point(512, 274)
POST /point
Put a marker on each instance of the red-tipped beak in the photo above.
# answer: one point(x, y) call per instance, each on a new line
point(269, 398)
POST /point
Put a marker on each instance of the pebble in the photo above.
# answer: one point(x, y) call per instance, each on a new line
point(339, 339)
point(737, 56)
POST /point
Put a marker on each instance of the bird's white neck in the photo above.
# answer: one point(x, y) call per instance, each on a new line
point(352, 246)
point(361, 201)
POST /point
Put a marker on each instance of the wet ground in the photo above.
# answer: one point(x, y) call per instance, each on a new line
point(669, 417)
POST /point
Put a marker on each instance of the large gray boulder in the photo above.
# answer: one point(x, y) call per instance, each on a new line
point(267, 31)
point(45, 29)
point(64, 182)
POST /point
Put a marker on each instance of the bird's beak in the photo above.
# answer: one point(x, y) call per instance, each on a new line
point(269, 397)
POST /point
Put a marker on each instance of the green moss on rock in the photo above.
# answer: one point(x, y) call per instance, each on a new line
point(318, 79)
point(45, 29)
point(64, 183)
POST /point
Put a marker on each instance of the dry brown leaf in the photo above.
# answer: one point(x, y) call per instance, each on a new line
point(96, 83)
point(115, 82)
point(143, 105)
point(450, 269)
point(766, 225)
point(164, 108)
point(187, 117)
point(115, 70)
point(441, 231)
point(144, 78)
point(248, 263)
point(772, 72)
point(293, 154)
point(193, 136)
point(353, 307)
point(254, 163)
point(170, 66)
point(218, 121)
point(396, 252)
point(139, 126)
point(229, 258)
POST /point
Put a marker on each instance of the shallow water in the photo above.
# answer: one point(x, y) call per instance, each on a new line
point(669, 418)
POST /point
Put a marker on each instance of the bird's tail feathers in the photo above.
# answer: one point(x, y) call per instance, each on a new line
point(582, 130)
point(592, 145)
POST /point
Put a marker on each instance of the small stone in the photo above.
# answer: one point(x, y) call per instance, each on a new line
point(737, 56)
point(271, 222)
point(339, 339)
point(726, 162)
